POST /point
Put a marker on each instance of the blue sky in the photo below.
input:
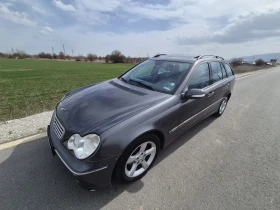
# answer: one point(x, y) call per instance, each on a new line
point(227, 28)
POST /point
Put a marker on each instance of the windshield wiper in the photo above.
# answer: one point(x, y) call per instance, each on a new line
point(142, 84)
point(123, 79)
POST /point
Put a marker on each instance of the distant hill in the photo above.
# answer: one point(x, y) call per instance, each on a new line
point(265, 57)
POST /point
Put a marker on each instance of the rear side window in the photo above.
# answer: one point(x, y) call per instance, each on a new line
point(228, 69)
point(224, 71)
point(217, 74)
point(200, 77)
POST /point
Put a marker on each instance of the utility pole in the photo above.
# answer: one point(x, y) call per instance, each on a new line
point(72, 53)
point(52, 51)
point(63, 49)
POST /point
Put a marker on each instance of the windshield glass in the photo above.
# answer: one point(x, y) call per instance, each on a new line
point(162, 76)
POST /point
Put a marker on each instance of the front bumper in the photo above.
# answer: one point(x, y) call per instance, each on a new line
point(89, 175)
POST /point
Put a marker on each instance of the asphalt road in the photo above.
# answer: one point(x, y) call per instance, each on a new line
point(232, 162)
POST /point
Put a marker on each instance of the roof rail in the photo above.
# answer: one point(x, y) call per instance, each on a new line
point(157, 55)
point(214, 56)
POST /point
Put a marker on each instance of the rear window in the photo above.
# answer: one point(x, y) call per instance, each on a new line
point(217, 74)
point(228, 69)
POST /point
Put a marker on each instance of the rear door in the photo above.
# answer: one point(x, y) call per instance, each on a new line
point(230, 76)
point(219, 82)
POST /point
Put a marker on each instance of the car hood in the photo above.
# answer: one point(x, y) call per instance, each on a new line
point(95, 108)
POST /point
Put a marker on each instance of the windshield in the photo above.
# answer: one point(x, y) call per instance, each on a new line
point(162, 76)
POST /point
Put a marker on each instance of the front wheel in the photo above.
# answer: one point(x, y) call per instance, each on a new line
point(222, 107)
point(138, 158)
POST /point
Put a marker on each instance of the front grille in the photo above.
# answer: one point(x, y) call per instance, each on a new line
point(58, 128)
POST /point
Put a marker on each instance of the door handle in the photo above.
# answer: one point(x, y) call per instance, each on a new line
point(210, 93)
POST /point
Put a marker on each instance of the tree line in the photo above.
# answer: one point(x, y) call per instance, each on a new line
point(115, 57)
point(239, 61)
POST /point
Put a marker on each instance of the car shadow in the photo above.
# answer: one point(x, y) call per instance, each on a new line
point(31, 178)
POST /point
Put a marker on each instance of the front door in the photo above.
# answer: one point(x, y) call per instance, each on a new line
point(192, 110)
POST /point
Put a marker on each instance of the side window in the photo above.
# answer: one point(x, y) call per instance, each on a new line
point(224, 71)
point(228, 69)
point(217, 74)
point(200, 77)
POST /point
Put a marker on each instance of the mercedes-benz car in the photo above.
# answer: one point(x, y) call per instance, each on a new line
point(116, 128)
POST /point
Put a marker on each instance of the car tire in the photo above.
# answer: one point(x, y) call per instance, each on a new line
point(138, 158)
point(222, 107)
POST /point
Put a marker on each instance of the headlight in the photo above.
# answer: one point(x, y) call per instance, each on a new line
point(83, 146)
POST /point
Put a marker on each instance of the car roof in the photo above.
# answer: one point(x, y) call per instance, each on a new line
point(186, 58)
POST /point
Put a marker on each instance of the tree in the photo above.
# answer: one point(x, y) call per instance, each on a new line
point(61, 55)
point(128, 59)
point(80, 58)
point(20, 54)
point(107, 58)
point(236, 61)
point(260, 62)
point(42, 55)
point(117, 57)
point(91, 57)
point(48, 55)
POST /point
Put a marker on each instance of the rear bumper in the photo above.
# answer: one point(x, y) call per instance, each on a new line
point(89, 175)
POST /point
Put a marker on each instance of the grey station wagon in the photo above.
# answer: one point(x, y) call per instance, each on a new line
point(116, 128)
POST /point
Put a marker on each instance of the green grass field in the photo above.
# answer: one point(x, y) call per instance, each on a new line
point(33, 86)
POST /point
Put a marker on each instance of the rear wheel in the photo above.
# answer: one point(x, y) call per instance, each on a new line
point(222, 107)
point(138, 158)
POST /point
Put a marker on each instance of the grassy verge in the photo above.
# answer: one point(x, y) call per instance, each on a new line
point(33, 86)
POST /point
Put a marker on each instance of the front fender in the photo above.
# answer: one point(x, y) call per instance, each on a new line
point(160, 119)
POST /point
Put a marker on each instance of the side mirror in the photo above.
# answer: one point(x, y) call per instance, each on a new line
point(193, 94)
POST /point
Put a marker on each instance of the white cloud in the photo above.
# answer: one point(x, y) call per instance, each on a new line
point(64, 7)
point(46, 30)
point(9, 4)
point(173, 10)
point(94, 12)
point(259, 25)
point(15, 16)
point(38, 9)
point(99, 5)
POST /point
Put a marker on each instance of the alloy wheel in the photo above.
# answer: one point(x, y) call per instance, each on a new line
point(140, 159)
point(223, 105)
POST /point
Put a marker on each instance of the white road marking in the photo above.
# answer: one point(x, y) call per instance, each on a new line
point(252, 74)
